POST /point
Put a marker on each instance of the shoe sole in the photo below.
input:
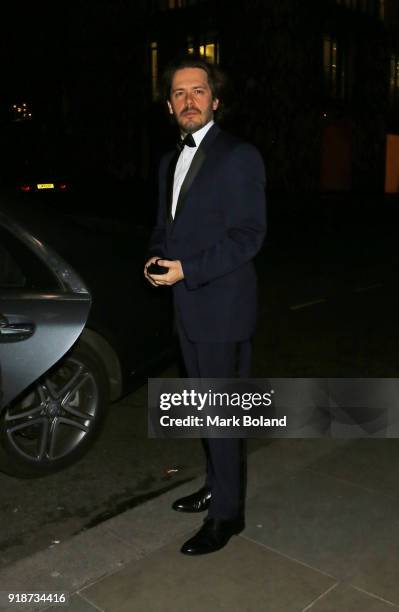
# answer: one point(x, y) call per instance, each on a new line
point(190, 511)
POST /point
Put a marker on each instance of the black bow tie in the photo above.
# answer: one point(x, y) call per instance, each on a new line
point(188, 140)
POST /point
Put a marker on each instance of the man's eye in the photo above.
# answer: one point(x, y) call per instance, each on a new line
point(199, 91)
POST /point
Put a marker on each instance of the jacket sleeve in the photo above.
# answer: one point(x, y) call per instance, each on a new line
point(157, 240)
point(244, 205)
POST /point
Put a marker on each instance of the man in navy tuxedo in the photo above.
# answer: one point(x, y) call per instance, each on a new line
point(210, 225)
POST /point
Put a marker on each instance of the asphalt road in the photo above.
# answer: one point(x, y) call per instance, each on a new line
point(328, 308)
point(123, 469)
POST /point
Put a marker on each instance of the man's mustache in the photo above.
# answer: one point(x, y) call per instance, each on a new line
point(190, 110)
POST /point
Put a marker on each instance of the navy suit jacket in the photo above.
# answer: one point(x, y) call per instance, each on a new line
point(219, 226)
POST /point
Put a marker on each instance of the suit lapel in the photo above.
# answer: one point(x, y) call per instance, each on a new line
point(194, 169)
point(169, 184)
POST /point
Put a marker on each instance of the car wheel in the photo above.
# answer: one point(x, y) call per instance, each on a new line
point(57, 419)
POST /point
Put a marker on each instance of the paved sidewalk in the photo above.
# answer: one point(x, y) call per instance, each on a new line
point(322, 535)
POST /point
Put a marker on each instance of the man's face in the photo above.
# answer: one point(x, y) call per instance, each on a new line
point(191, 99)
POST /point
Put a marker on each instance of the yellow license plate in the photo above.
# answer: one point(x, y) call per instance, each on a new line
point(45, 185)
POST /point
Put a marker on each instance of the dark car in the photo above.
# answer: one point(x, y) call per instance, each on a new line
point(33, 178)
point(33, 160)
point(78, 328)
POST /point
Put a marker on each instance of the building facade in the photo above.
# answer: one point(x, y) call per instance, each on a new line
point(315, 84)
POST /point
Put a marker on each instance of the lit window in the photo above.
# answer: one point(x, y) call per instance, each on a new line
point(330, 64)
point(372, 7)
point(394, 79)
point(209, 51)
point(154, 70)
point(173, 4)
point(190, 45)
point(334, 65)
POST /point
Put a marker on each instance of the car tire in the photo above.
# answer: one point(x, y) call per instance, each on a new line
point(56, 421)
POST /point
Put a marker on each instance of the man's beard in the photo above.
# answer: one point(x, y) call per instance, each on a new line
point(196, 124)
point(191, 127)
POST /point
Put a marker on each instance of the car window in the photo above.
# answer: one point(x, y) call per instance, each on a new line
point(21, 268)
point(11, 274)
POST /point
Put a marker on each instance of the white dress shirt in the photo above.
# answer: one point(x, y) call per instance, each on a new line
point(184, 163)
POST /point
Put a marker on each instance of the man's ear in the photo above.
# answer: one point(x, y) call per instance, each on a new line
point(215, 104)
point(169, 107)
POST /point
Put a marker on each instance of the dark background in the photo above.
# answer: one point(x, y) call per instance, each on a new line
point(321, 119)
point(84, 71)
point(314, 85)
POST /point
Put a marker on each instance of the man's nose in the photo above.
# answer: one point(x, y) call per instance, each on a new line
point(189, 99)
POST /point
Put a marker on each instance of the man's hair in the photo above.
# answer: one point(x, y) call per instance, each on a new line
point(216, 78)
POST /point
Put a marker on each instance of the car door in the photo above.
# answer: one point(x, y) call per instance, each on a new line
point(44, 307)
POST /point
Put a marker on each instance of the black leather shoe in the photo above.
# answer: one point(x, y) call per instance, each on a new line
point(197, 502)
point(213, 535)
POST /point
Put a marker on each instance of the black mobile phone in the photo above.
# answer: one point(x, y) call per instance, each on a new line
point(155, 268)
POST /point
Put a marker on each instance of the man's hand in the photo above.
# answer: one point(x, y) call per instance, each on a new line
point(174, 274)
point(147, 276)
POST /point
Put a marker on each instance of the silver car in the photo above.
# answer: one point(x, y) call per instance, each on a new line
point(69, 346)
point(39, 323)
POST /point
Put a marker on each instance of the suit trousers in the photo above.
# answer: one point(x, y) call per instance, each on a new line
point(225, 457)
